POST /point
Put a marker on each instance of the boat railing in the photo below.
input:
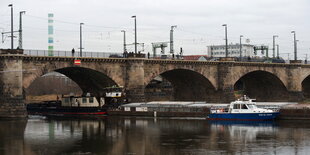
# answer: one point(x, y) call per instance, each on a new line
point(273, 108)
point(214, 110)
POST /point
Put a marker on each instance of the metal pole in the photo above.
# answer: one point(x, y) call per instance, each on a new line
point(12, 41)
point(124, 40)
point(81, 39)
point(240, 47)
point(278, 52)
point(295, 46)
point(226, 41)
point(171, 39)
point(135, 33)
point(273, 45)
point(20, 41)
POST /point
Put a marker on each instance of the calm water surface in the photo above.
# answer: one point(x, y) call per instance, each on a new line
point(148, 136)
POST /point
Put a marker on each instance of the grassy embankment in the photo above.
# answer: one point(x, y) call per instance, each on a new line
point(37, 99)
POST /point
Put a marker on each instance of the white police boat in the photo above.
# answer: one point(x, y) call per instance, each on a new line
point(243, 109)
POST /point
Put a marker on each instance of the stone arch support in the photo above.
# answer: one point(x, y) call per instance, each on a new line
point(305, 73)
point(238, 72)
point(33, 71)
point(153, 70)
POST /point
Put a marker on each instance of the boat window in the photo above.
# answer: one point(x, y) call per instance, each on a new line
point(66, 100)
point(244, 106)
point(91, 100)
point(84, 100)
point(251, 106)
point(236, 106)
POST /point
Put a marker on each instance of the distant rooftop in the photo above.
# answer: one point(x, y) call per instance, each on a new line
point(195, 57)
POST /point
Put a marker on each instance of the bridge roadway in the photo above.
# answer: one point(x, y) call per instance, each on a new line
point(191, 80)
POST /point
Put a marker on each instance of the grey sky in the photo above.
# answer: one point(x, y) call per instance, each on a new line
point(199, 23)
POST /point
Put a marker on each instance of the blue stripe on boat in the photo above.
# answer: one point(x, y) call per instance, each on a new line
point(243, 116)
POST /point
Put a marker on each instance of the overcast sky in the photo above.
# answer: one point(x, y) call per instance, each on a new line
point(199, 23)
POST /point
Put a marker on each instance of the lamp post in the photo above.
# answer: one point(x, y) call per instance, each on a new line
point(171, 39)
point(240, 47)
point(295, 45)
point(226, 41)
point(20, 41)
point(124, 40)
point(135, 33)
point(81, 39)
point(273, 47)
point(12, 41)
point(278, 53)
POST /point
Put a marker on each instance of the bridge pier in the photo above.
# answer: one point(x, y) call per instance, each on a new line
point(296, 96)
point(226, 95)
point(225, 85)
point(135, 95)
point(134, 82)
point(11, 90)
point(294, 87)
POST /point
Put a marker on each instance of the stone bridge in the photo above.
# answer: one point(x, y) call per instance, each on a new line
point(191, 80)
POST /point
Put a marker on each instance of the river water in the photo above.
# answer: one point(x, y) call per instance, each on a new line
point(148, 136)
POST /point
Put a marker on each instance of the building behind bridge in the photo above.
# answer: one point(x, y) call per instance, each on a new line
point(233, 50)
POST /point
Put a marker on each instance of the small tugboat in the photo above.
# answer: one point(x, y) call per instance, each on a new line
point(69, 106)
point(86, 105)
point(243, 109)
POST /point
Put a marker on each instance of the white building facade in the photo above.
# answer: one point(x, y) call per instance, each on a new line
point(247, 50)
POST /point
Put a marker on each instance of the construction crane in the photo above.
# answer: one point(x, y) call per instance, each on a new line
point(261, 48)
point(161, 45)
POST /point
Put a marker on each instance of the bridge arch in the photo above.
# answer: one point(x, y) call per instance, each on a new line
point(187, 85)
point(305, 84)
point(88, 79)
point(262, 85)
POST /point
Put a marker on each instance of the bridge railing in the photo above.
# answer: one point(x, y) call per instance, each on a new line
point(70, 54)
point(60, 53)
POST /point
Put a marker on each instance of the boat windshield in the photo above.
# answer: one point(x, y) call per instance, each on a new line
point(252, 106)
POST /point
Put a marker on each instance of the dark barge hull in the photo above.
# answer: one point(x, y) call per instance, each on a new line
point(158, 114)
point(66, 111)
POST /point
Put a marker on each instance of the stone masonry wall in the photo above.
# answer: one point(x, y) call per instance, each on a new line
point(11, 92)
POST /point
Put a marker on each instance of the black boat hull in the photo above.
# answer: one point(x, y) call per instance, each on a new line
point(69, 111)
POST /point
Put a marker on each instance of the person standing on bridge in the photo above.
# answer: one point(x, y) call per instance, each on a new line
point(73, 51)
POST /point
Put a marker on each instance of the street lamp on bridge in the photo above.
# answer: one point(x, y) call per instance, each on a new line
point(226, 41)
point(124, 40)
point(278, 53)
point(135, 33)
point(240, 47)
point(81, 39)
point(12, 41)
point(295, 45)
point(273, 37)
point(20, 41)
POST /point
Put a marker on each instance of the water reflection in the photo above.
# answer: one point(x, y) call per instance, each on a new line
point(246, 131)
point(130, 135)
